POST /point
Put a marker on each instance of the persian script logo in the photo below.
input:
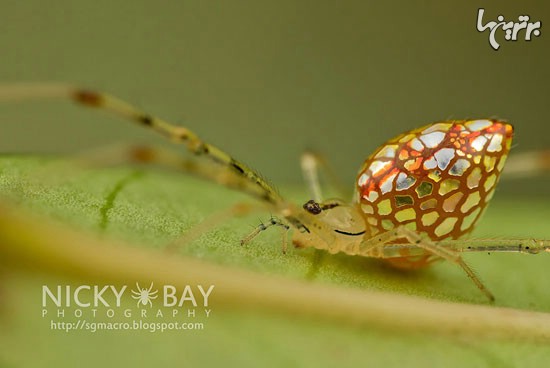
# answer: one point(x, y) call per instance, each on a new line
point(512, 30)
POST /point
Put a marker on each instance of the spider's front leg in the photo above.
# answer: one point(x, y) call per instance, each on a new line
point(183, 136)
point(273, 221)
point(380, 246)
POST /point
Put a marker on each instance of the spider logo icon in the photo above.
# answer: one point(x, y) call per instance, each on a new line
point(144, 296)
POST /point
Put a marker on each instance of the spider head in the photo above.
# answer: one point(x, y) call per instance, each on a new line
point(328, 225)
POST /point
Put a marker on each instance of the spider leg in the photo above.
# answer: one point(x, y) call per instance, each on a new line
point(374, 247)
point(150, 287)
point(527, 164)
point(525, 245)
point(310, 163)
point(273, 221)
point(177, 134)
point(212, 221)
point(222, 167)
point(520, 245)
point(121, 154)
point(284, 236)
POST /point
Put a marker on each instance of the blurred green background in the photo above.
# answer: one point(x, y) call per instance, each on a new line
point(267, 79)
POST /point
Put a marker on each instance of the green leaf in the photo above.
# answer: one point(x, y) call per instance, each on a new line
point(151, 209)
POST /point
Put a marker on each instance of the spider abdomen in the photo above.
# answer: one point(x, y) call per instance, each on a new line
point(435, 180)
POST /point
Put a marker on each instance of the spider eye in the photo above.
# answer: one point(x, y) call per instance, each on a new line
point(312, 207)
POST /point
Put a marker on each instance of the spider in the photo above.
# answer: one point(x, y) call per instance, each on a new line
point(415, 197)
point(144, 296)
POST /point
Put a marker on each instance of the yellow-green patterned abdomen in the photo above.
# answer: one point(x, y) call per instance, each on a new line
point(436, 180)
